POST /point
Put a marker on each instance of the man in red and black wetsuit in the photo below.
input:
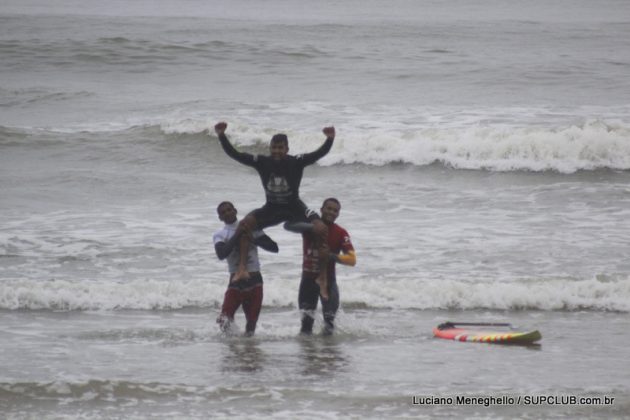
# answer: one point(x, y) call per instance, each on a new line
point(341, 251)
point(281, 175)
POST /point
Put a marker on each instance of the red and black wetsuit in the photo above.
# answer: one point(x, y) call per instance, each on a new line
point(338, 241)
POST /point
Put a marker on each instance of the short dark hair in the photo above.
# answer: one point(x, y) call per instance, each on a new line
point(280, 138)
point(333, 199)
point(223, 203)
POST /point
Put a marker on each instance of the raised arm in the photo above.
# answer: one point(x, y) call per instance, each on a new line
point(244, 158)
point(310, 158)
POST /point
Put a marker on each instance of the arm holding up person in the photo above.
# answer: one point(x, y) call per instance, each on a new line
point(345, 257)
point(341, 251)
point(265, 242)
point(247, 293)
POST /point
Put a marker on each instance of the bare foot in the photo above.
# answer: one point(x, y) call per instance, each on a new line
point(322, 281)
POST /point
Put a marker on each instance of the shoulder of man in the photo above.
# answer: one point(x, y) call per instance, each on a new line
point(338, 228)
point(298, 158)
point(220, 235)
point(342, 233)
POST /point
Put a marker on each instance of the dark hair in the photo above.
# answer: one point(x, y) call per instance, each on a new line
point(280, 138)
point(333, 199)
point(223, 203)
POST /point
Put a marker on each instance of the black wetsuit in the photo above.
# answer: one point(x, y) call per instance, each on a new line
point(307, 301)
point(281, 180)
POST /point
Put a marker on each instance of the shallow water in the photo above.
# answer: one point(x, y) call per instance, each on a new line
point(137, 363)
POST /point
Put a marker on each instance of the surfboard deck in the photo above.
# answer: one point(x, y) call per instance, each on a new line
point(485, 333)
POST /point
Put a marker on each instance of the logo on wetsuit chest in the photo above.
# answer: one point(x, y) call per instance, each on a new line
point(278, 187)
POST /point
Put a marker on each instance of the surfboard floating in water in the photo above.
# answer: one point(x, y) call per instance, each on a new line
point(485, 333)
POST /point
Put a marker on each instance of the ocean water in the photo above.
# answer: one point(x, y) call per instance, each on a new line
point(483, 165)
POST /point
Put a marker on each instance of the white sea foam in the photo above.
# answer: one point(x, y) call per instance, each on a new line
point(601, 293)
point(586, 145)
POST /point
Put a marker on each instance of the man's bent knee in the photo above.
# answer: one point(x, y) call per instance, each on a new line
point(249, 222)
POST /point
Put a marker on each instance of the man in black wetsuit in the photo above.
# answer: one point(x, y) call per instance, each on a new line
point(281, 174)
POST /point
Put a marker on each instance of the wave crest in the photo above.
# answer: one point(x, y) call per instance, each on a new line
point(460, 142)
point(590, 145)
point(601, 293)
